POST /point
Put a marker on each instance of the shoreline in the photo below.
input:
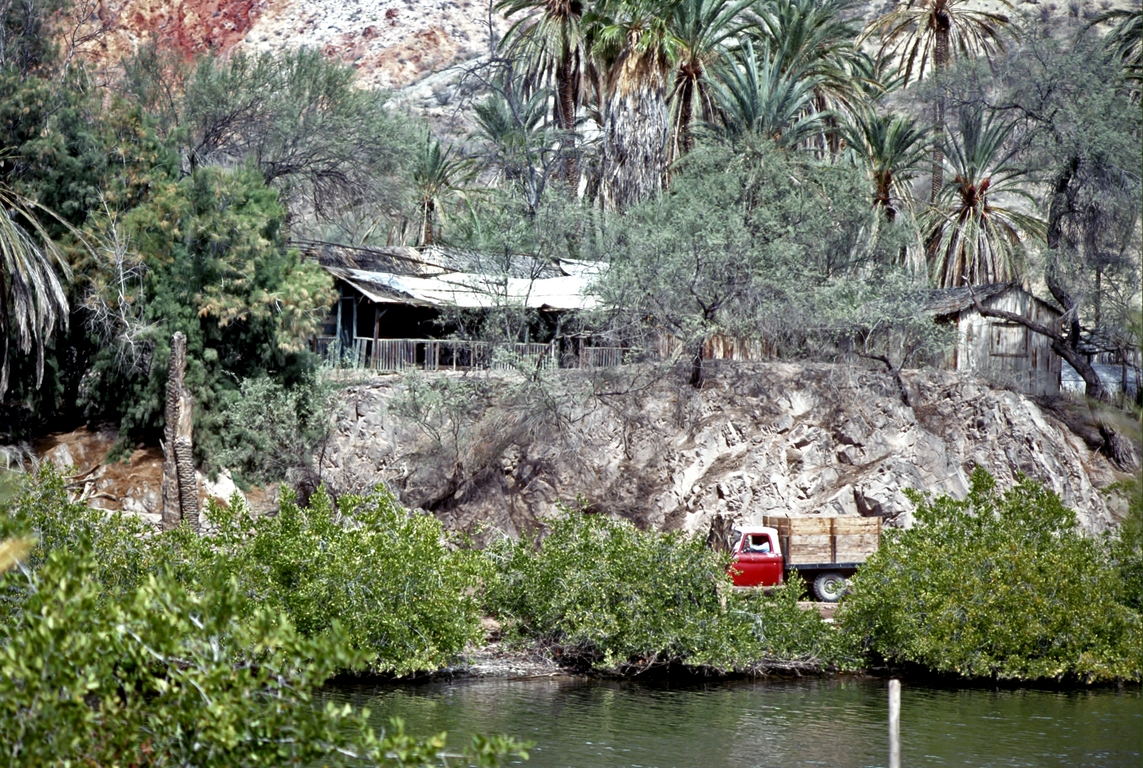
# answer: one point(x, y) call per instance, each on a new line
point(497, 660)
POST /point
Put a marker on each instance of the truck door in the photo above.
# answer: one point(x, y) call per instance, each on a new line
point(755, 562)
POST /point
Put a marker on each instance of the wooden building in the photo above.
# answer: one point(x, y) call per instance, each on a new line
point(1004, 352)
point(397, 308)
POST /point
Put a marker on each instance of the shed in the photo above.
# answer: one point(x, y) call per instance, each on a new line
point(1004, 352)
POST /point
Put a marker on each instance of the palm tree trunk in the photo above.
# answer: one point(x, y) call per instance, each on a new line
point(940, 62)
point(428, 209)
point(635, 131)
point(179, 486)
point(565, 118)
point(686, 140)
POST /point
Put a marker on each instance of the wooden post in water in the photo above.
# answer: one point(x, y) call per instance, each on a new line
point(894, 724)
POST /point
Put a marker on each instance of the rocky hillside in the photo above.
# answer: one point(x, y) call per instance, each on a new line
point(764, 438)
point(390, 43)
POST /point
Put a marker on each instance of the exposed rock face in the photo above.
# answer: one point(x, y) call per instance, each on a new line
point(133, 485)
point(759, 439)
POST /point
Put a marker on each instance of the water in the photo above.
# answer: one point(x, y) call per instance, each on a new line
point(577, 723)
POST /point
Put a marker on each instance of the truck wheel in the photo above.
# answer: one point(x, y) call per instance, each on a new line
point(829, 587)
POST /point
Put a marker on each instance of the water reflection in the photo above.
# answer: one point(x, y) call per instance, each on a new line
point(583, 724)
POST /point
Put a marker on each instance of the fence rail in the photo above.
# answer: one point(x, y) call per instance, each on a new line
point(441, 355)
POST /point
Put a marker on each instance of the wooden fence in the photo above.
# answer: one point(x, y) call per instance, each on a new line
point(442, 355)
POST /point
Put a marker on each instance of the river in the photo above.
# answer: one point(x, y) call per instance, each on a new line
point(578, 723)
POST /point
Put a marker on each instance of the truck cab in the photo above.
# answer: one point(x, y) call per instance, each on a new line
point(757, 553)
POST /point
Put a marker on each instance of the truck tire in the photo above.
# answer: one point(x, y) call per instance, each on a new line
point(829, 587)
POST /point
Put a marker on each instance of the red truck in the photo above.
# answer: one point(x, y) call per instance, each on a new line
point(824, 550)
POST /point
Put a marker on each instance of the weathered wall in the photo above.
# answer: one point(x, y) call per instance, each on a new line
point(760, 439)
point(1008, 353)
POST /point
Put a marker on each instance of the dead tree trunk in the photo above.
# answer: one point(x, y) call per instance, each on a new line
point(180, 486)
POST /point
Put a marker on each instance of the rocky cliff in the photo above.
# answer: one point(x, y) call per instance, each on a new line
point(805, 439)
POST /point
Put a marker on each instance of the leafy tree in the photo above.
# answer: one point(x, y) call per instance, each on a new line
point(271, 433)
point(745, 243)
point(217, 269)
point(971, 238)
point(1080, 137)
point(299, 118)
point(1000, 584)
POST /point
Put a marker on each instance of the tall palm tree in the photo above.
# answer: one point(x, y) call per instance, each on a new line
point(891, 148)
point(705, 30)
point(32, 300)
point(814, 38)
point(758, 95)
point(971, 237)
point(632, 46)
point(924, 35)
point(550, 37)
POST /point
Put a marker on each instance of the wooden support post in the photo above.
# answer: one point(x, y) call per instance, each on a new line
point(376, 332)
point(894, 724)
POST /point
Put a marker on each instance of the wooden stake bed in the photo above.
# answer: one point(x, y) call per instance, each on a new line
point(843, 542)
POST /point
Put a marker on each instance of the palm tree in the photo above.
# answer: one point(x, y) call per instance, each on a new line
point(923, 36)
point(551, 38)
point(813, 38)
point(517, 140)
point(757, 95)
point(890, 148)
point(972, 238)
point(32, 300)
point(632, 45)
point(705, 30)
point(437, 177)
point(1125, 41)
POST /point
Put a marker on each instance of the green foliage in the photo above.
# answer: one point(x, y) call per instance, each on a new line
point(270, 432)
point(1127, 544)
point(217, 269)
point(404, 599)
point(42, 510)
point(751, 242)
point(999, 584)
point(300, 119)
point(617, 597)
point(122, 648)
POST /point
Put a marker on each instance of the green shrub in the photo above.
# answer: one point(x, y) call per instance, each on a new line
point(1127, 544)
point(270, 432)
point(999, 584)
point(170, 675)
point(621, 598)
point(383, 572)
point(41, 509)
point(122, 646)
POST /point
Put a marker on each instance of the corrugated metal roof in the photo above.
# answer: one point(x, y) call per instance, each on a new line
point(473, 291)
